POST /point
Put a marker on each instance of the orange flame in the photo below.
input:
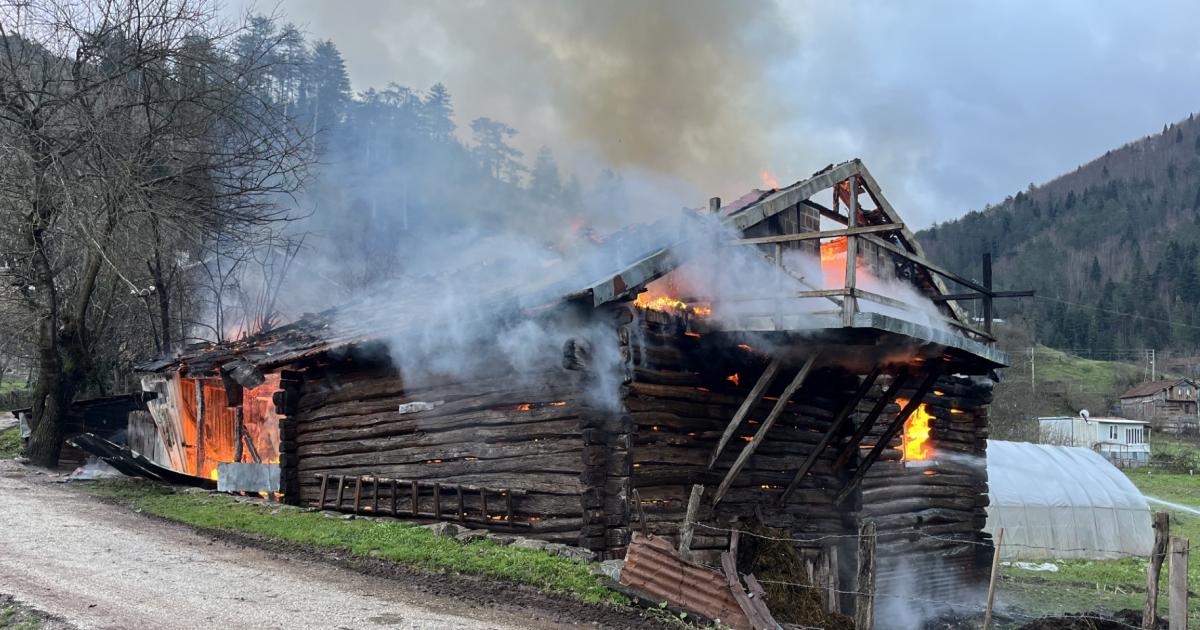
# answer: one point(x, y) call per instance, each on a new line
point(833, 262)
point(769, 180)
point(668, 304)
point(917, 430)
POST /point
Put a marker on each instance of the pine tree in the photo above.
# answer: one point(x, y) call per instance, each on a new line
point(330, 87)
point(437, 114)
point(493, 151)
point(544, 182)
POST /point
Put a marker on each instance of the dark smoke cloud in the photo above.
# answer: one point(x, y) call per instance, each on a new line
point(672, 89)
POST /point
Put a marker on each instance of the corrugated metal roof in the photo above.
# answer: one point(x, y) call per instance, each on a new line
point(1153, 387)
point(652, 566)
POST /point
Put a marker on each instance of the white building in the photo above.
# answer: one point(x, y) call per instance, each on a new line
point(1120, 440)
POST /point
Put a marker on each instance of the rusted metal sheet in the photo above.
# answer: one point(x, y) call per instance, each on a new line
point(652, 566)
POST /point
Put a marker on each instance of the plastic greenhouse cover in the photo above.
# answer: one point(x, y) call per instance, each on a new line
point(1063, 502)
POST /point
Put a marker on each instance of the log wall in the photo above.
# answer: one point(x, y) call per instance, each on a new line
point(683, 394)
point(930, 515)
point(499, 432)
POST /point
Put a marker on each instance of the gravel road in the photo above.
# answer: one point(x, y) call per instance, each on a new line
point(96, 565)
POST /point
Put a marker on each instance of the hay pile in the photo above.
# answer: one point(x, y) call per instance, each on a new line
point(774, 561)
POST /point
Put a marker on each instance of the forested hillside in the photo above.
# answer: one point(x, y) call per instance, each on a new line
point(1112, 248)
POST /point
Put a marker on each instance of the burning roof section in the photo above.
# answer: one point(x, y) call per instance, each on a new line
point(623, 264)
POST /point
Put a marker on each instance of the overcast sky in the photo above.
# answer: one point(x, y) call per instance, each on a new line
point(952, 105)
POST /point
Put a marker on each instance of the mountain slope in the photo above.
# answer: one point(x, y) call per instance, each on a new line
point(1112, 248)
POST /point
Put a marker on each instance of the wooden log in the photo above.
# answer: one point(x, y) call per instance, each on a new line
point(869, 421)
point(893, 428)
point(567, 461)
point(766, 425)
point(752, 399)
point(1162, 532)
point(829, 434)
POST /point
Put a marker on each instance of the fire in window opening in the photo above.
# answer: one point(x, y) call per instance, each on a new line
point(916, 445)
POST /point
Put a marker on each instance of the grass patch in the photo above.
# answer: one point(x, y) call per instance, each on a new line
point(14, 616)
point(397, 541)
point(10, 443)
point(1083, 585)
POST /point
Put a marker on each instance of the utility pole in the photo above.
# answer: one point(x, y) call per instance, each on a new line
point(1033, 369)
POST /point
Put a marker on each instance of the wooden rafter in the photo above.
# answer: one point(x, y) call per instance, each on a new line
point(897, 423)
point(763, 428)
point(834, 427)
point(756, 394)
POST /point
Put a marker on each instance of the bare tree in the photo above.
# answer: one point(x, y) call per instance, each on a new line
point(128, 133)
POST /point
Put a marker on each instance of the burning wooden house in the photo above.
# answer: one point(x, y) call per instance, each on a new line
point(826, 399)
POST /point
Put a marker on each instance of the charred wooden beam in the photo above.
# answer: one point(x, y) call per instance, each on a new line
point(834, 427)
point(865, 426)
point(898, 423)
point(766, 425)
point(756, 393)
point(808, 236)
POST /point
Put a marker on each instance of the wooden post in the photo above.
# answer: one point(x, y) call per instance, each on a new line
point(239, 429)
point(987, 297)
point(1178, 584)
point(324, 485)
point(991, 594)
point(689, 522)
point(1162, 532)
point(637, 499)
point(864, 605)
point(756, 393)
point(199, 427)
point(849, 303)
point(341, 486)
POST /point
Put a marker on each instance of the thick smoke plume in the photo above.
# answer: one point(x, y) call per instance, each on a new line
point(676, 89)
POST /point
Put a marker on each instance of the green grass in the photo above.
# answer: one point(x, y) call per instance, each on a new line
point(10, 443)
point(13, 616)
point(1081, 585)
point(397, 541)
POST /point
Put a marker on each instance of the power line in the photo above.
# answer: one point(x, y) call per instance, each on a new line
point(1123, 314)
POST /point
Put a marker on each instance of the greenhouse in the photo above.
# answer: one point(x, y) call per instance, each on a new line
point(1063, 502)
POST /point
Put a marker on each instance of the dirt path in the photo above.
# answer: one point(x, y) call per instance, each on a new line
point(99, 566)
